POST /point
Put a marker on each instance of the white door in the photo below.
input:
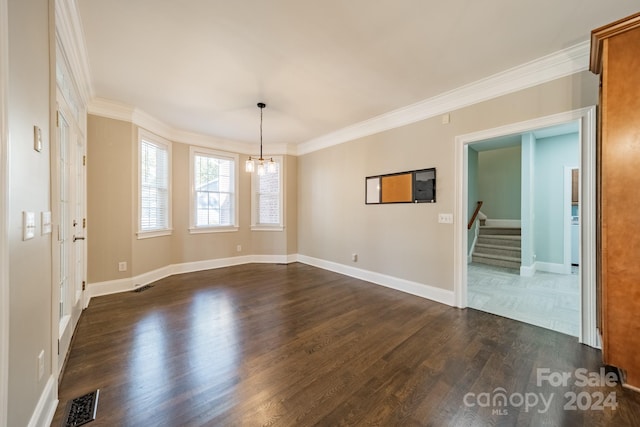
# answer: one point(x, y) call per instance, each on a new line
point(63, 217)
point(79, 222)
point(70, 247)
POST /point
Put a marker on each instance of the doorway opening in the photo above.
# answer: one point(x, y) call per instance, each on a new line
point(541, 260)
point(519, 249)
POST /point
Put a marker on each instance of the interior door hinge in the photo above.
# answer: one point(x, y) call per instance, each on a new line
point(58, 346)
point(84, 285)
point(84, 222)
point(84, 160)
point(58, 119)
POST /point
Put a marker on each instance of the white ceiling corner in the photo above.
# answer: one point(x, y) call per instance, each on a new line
point(329, 72)
point(560, 64)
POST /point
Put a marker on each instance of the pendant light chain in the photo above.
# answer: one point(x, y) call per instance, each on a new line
point(271, 166)
point(261, 109)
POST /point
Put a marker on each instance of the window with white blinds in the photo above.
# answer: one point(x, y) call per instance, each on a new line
point(154, 204)
point(266, 199)
point(214, 199)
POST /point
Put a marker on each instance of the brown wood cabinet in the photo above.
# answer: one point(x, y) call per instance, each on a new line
point(615, 55)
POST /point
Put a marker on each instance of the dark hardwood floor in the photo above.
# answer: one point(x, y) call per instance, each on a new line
point(293, 345)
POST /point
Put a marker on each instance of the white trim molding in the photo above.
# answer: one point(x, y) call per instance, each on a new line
point(4, 209)
point(131, 283)
point(120, 111)
point(47, 404)
point(587, 277)
point(560, 64)
point(515, 223)
point(552, 267)
point(432, 293)
point(528, 270)
point(71, 35)
point(234, 159)
point(554, 66)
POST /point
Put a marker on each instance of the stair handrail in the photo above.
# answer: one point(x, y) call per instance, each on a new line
point(475, 214)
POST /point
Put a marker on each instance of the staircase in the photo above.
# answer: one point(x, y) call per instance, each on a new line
point(499, 246)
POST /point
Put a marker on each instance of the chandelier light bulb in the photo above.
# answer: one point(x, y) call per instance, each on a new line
point(271, 166)
point(249, 166)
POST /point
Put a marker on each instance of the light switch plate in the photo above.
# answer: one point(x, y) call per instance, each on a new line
point(37, 138)
point(28, 225)
point(445, 218)
point(46, 222)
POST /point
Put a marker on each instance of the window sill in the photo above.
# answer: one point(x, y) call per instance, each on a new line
point(205, 230)
point(151, 234)
point(267, 228)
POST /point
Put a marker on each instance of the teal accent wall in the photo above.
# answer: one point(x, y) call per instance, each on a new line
point(472, 191)
point(499, 182)
point(552, 156)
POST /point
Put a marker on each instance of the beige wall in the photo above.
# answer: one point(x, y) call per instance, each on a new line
point(30, 317)
point(291, 204)
point(109, 197)
point(405, 240)
point(113, 205)
point(324, 209)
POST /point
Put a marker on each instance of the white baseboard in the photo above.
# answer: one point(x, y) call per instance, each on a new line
point(124, 285)
point(274, 259)
point(547, 267)
point(46, 408)
point(190, 267)
point(151, 276)
point(516, 223)
point(130, 283)
point(419, 289)
point(528, 271)
point(550, 267)
point(109, 287)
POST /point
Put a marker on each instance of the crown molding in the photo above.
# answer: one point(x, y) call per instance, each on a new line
point(554, 66)
point(71, 37)
point(111, 109)
point(120, 111)
point(560, 64)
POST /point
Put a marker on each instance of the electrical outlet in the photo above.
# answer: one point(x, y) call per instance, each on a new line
point(40, 365)
point(239, 248)
point(354, 257)
point(122, 266)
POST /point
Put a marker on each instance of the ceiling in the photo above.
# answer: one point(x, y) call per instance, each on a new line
point(202, 65)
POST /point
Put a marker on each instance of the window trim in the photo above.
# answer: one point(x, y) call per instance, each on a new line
point(195, 229)
point(145, 135)
point(254, 208)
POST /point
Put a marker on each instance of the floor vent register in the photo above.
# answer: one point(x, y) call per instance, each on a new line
point(82, 410)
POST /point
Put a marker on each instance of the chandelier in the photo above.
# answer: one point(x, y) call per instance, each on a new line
point(250, 165)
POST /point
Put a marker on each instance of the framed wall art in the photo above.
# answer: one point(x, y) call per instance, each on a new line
point(417, 186)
